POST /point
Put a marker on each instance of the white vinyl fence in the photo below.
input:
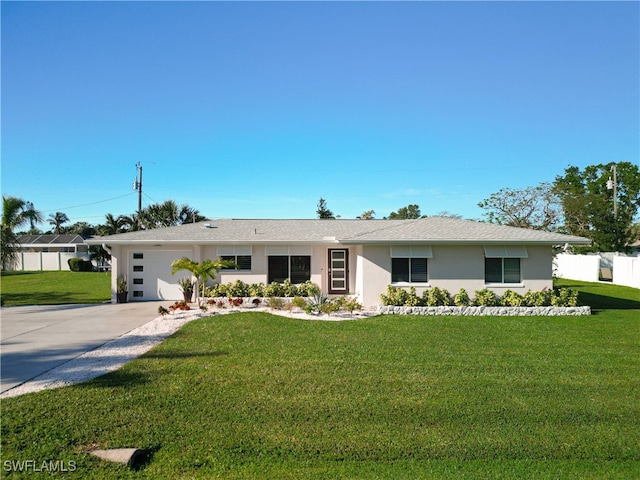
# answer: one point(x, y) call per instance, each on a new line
point(624, 270)
point(46, 260)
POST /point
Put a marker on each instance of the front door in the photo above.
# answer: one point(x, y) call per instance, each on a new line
point(338, 271)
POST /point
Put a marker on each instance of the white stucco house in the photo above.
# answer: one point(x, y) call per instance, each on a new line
point(343, 257)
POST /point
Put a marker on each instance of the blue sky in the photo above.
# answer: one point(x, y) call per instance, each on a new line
point(258, 109)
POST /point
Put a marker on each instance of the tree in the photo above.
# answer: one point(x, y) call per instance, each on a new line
point(167, 214)
point(588, 206)
point(532, 207)
point(368, 215)
point(15, 214)
point(323, 211)
point(57, 220)
point(410, 212)
point(202, 271)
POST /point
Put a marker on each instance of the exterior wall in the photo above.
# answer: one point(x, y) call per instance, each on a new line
point(452, 268)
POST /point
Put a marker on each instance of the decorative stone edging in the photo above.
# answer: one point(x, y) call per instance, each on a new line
point(485, 311)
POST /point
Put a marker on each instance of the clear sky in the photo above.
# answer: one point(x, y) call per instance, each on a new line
point(258, 109)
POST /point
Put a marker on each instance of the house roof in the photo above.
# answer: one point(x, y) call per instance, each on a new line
point(46, 240)
point(433, 230)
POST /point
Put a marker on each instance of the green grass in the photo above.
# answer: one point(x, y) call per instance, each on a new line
point(54, 288)
point(252, 395)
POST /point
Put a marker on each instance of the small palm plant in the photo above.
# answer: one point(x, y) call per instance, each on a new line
point(207, 269)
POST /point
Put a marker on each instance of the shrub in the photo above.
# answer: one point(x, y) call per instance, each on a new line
point(299, 302)
point(394, 296)
point(238, 289)
point(411, 299)
point(486, 298)
point(350, 304)
point(256, 290)
point(288, 289)
point(274, 289)
point(436, 297)
point(308, 289)
point(461, 299)
point(565, 297)
point(79, 265)
point(275, 303)
point(511, 299)
point(536, 299)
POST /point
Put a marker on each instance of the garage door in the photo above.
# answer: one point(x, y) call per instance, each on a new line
point(150, 275)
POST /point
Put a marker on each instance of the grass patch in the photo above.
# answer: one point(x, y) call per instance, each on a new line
point(54, 288)
point(601, 296)
point(252, 395)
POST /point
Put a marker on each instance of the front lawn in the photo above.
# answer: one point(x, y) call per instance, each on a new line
point(54, 288)
point(253, 395)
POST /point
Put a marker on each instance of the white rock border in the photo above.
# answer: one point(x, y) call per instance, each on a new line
point(486, 311)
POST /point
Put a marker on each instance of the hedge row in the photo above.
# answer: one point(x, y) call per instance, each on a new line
point(439, 297)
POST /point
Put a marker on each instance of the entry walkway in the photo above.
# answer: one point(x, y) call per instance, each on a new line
point(35, 339)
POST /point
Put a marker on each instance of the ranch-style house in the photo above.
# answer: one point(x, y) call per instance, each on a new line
point(343, 257)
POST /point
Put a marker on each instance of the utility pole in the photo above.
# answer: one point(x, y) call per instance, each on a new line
point(613, 185)
point(137, 185)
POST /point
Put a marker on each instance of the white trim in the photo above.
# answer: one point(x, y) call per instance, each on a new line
point(411, 251)
point(286, 250)
point(233, 250)
point(505, 251)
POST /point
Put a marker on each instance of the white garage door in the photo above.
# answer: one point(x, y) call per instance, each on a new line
point(150, 275)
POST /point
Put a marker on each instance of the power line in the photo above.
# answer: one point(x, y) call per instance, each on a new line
point(87, 204)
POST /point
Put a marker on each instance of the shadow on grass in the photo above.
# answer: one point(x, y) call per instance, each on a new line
point(48, 298)
point(185, 354)
point(606, 296)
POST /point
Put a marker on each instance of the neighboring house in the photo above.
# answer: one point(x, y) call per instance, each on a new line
point(49, 252)
point(343, 257)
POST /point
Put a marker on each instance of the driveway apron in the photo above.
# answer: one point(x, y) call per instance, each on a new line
point(35, 339)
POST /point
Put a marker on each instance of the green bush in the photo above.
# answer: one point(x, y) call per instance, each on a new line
point(79, 265)
point(485, 298)
point(536, 299)
point(308, 289)
point(461, 299)
point(564, 297)
point(394, 296)
point(511, 299)
point(274, 289)
point(256, 290)
point(436, 297)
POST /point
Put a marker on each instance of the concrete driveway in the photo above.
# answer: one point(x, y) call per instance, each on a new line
point(35, 339)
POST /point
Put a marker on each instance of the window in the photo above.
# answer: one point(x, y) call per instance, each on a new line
point(409, 263)
point(138, 281)
point(409, 270)
point(502, 270)
point(138, 256)
point(296, 268)
point(502, 263)
point(138, 268)
point(242, 261)
point(138, 293)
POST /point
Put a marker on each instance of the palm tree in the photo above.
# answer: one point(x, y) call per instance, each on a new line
point(202, 271)
point(15, 214)
point(57, 220)
point(167, 214)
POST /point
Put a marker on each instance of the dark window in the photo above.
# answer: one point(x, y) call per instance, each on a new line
point(296, 268)
point(278, 269)
point(242, 261)
point(300, 268)
point(502, 270)
point(138, 268)
point(138, 281)
point(137, 293)
point(138, 256)
point(409, 270)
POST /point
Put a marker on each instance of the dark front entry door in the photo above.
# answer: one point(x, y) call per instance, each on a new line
point(339, 271)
